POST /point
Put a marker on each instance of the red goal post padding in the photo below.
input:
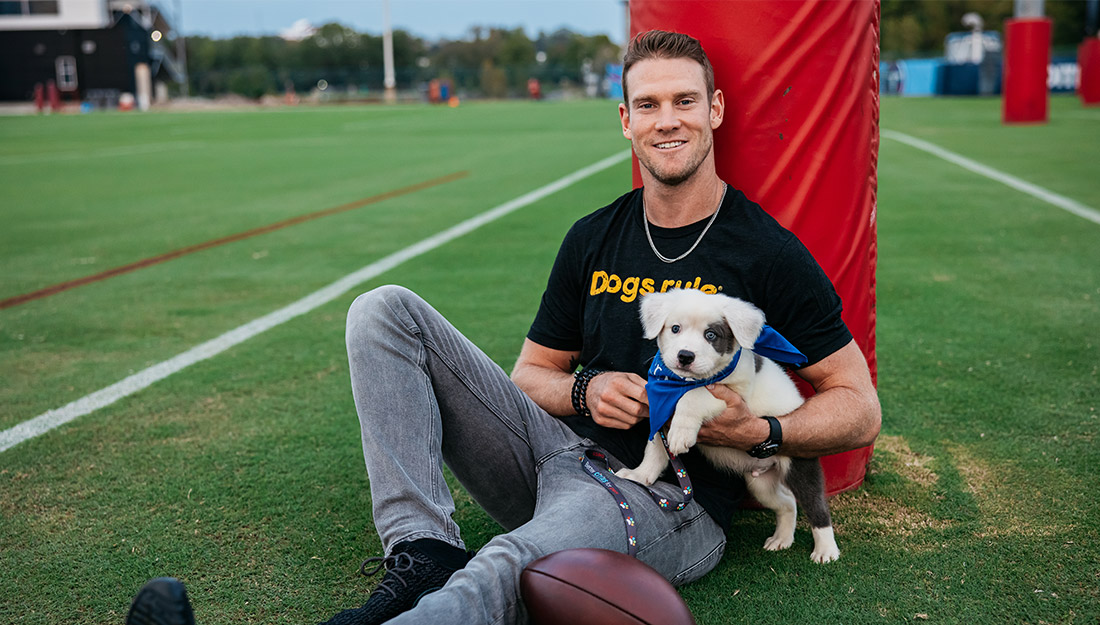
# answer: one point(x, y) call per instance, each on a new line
point(1026, 58)
point(800, 136)
point(1088, 60)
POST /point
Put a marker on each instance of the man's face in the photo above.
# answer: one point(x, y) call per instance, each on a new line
point(668, 120)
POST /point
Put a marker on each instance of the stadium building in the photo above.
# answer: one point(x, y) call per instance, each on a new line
point(92, 50)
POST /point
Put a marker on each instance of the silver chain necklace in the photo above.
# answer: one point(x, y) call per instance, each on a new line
point(649, 237)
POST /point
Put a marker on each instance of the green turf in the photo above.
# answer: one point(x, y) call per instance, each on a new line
point(237, 171)
point(243, 475)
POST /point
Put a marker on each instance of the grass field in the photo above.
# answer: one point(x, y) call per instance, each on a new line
point(243, 474)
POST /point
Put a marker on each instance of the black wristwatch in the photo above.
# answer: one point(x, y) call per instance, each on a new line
point(769, 447)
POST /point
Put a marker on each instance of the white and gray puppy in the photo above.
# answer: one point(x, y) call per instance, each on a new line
point(698, 335)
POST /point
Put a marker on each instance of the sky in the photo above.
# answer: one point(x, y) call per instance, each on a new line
point(431, 19)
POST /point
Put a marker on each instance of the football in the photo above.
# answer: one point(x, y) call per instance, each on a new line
point(599, 587)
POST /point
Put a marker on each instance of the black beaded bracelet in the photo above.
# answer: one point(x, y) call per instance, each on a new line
point(580, 390)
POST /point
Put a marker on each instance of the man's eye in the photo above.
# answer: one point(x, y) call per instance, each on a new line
point(710, 335)
point(685, 102)
point(675, 329)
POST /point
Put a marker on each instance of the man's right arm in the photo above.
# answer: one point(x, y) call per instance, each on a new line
point(617, 400)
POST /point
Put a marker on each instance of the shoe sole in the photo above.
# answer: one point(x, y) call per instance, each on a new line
point(162, 601)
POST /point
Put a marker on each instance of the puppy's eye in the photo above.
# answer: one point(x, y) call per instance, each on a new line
point(675, 329)
point(710, 336)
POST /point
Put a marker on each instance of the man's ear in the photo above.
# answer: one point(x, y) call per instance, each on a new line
point(654, 312)
point(717, 109)
point(624, 117)
point(745, 320)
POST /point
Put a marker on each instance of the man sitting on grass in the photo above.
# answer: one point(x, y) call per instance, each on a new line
point(426, 396)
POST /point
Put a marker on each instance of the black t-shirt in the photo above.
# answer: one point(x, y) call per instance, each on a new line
point(605, 264)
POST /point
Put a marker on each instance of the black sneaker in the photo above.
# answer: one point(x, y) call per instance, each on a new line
point(162, 601)
point(410, 574)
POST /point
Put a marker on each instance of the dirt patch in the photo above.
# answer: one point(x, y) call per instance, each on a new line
point(879, 515)
point(883, 516)
point(977, 475)
point(911, 465)
point(1006, 510)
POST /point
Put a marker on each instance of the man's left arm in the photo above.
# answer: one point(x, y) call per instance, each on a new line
point(844, 413)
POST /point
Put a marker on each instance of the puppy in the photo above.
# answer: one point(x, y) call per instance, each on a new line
point(698, 335)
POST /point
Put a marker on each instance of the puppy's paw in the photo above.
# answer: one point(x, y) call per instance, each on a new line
point(777, 542)
point(825, 549)
point(635, 476)
point(821, 556)
point(681, 439)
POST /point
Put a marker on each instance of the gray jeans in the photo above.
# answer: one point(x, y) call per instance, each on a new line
point(427, 396)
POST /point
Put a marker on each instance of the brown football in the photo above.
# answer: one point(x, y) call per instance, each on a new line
point(599, 587)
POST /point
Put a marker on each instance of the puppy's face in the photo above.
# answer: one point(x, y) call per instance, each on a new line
point(699, 333)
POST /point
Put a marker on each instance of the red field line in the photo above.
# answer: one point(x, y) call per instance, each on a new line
point(148, 262)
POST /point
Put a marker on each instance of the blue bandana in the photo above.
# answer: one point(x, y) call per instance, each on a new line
point(665, 388)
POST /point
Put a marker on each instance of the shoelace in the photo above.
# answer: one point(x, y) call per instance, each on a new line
point(396, 565)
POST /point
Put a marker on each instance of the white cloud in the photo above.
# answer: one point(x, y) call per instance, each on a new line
point(298, 31)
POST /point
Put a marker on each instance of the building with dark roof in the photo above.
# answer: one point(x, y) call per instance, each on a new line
point(92, 50)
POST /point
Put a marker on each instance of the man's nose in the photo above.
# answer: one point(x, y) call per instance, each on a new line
point(685, 357)
point(668, 119)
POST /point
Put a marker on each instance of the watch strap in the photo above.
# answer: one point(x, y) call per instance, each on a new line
point(775, 434)
point(769, 447)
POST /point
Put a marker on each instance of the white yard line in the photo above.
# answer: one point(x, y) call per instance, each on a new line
point(104, 397)
point(1045, 195)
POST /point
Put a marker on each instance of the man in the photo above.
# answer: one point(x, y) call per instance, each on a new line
point(425, 395)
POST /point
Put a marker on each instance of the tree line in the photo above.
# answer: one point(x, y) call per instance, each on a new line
point(498, 62)
point(491, 62)
point(918, 27)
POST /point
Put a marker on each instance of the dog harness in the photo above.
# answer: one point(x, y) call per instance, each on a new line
point(665, 388)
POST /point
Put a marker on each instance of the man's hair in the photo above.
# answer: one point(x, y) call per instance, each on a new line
point(661, 44)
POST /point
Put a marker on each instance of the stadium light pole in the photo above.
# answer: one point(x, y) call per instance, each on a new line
point(1029, 8)
point(181, 50)
point(626, 12)
point(387, 55)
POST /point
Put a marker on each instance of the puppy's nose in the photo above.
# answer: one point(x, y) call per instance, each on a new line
point(685, 357)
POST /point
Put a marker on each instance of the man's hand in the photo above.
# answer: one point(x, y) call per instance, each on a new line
point(843, 414)
point(737, 426)
point(617, 400)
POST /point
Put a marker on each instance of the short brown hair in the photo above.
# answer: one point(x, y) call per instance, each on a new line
point(661, 44)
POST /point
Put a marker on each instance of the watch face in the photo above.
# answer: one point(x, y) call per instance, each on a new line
point(766, 449)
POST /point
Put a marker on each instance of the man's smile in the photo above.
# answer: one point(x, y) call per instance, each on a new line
point(668, 145)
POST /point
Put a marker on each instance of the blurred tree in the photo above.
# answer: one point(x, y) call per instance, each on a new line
point(494, 82)
point(918, 27)
point(567, 53)
point(334, 46)
point(496, 62)
point(252, 81)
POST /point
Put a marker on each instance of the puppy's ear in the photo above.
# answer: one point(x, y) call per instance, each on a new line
point(744, 319)
point(654, 311)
